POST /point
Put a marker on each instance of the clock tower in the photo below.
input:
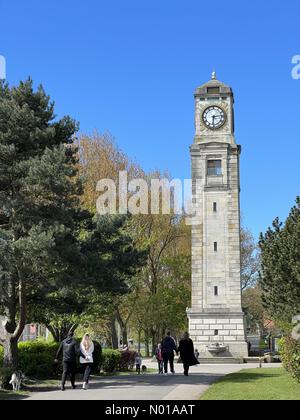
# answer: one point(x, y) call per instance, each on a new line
point(216, 319)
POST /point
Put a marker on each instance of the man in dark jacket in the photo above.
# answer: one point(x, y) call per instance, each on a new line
point(69, 349)
point(168, 348)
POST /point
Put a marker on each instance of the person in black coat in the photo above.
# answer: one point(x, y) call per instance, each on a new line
point(168, 347)
point(187, 353)
point(69, 349)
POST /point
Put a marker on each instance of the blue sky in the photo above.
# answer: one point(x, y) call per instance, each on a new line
point(131, 67)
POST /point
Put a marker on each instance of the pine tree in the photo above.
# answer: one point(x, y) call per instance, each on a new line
point(38, 203)
point(280, 274)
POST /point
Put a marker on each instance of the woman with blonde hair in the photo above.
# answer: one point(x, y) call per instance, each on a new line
point(86, 359)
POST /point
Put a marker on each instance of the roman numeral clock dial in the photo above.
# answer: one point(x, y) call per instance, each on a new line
point(214, 117)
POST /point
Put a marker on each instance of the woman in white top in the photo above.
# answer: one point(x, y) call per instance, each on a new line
point(86, 358)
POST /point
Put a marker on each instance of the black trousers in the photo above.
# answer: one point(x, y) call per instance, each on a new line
point(168, 358)
point(186, 368)
point(87, 371)
point(69, 369)
point(160, 366)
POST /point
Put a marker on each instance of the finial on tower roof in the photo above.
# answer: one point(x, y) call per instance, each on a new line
point(214, 75)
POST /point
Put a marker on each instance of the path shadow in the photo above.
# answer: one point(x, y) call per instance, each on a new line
point(132, 382)
point(153, 380)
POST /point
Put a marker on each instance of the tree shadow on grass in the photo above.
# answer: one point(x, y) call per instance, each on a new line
point(246, 377)
point(9, 395)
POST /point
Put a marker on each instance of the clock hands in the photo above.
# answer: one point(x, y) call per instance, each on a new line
point(214, 118)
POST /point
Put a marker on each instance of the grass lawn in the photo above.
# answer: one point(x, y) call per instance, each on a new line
point(255, 384)
point(30, 387)
point(7, 395)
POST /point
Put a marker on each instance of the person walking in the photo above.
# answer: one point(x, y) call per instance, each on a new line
point(160, 360)
point(69, 349)
point(138, 363)
point(168, 348)
point(86, 359)
point(187, 353)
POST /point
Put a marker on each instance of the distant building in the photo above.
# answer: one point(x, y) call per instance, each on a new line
point(31, 331)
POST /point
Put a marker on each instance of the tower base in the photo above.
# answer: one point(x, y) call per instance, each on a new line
point(218, 334)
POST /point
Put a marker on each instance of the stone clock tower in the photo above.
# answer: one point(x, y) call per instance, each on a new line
point(216, 319)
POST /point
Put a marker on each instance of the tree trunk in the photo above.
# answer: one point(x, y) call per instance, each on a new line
point(123, 326)
point(12, 331)
point(139, 340)
point(147, 344)
point(153, 342)
point(10, 346)
point(125, 336)
point(114, 334)
point(54, 332)
point(59, 333)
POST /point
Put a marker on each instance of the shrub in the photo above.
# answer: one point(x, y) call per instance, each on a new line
point(110, 360)
point(127, 360)
point(290, 353)
point(97, 356)
point(36, 359)
point(5, 377)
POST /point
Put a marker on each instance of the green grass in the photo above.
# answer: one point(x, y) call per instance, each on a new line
point(30, 387)
point(8, 395)
point(255, 384)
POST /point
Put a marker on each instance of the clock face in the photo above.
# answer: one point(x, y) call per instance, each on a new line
point(214, 117)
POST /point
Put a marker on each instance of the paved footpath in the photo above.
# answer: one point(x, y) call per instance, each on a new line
point(149, 386)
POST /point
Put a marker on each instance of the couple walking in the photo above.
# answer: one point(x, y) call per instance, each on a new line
point(166, 352)
point(69, 349)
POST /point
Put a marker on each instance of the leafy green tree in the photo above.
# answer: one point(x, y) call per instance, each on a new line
point(110, 260)
point(254, 309)
point(280, 273)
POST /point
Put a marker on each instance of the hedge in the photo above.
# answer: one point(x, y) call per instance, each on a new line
point(114, 360)
point(36, 359)
point(290, 353)
point(110, 361)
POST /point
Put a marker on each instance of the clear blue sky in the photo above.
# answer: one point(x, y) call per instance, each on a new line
point(131, 67)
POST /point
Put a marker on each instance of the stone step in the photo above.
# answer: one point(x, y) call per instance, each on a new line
point(221, 361)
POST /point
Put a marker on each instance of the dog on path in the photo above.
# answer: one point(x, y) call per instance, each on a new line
point(16, 381)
